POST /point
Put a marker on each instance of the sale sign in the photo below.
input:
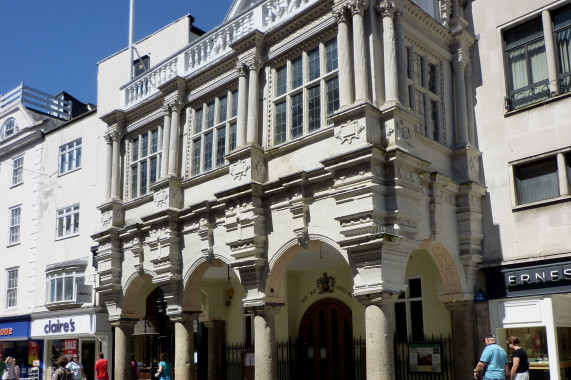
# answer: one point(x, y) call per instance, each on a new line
point(33, 351)
point(70, 348)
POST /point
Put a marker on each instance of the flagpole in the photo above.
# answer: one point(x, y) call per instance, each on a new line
point(131, 37)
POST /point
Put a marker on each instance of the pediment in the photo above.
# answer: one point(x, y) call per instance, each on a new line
point(239, 6)
point(24, 119)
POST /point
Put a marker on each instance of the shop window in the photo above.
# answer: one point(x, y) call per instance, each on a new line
point(61, 285)
point(11, 288)
point(409, 319)
point(534, 341)
point(306, 91)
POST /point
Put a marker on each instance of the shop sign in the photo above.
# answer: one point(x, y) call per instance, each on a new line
point(73, 325)
point(530, 280)
point(14, 330)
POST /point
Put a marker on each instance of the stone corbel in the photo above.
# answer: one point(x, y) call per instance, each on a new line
point(206, 233)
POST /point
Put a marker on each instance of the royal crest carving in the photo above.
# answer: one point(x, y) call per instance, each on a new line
point(239, 170)
point(349, 131)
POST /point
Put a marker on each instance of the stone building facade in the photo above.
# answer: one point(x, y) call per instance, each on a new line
point(308, 168)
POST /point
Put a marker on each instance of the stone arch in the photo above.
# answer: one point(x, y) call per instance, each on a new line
point(134, 290)
point(193, 278)
point(449, 273)
point(279, 262)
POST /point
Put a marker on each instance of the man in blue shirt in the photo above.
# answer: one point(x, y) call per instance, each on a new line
point(495, 360)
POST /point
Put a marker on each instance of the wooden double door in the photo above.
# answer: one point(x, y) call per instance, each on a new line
point(326, 337)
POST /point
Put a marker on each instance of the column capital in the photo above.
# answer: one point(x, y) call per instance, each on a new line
point(123, 323)
point(184, 317)
point(175, 106)
point(262, 308)
point(389, 8)
point(167, 109)
point(113, 134)
point(460, 60)
point(358, 7)
point(254, 63)
point(241, 69)
point(340, 14)
point(379, 298)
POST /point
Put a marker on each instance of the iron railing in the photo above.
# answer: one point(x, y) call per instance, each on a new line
point(526, 97)
point(429, 359)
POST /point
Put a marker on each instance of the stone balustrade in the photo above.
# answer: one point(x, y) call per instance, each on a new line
point(210, 47)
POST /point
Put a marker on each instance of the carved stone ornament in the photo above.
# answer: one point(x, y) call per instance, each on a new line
point(358, 7)
point(241, 69)
point(239, 170)
point(302, 235)
point(161, 198)
point(106, 219)
point(349, 131)
point(340, 14)
point(388, 8)
point(259, 167)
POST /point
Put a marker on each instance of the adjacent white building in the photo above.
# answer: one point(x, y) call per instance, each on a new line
point(523, 124)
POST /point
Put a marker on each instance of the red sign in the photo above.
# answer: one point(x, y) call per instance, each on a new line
point(70, 348)
point(33, 350)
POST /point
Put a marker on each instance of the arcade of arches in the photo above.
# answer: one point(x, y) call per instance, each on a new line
point(313, 302)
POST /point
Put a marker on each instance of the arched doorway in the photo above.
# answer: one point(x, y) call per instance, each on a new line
point(326, 337)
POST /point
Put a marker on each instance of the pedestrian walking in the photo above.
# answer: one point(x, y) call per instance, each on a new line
point(494, 359)
point(164, 371)
point(520, 361)
point(101, 368)
point(76, 368)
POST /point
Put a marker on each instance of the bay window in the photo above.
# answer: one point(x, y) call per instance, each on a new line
point(61, 286)
point(306, 91)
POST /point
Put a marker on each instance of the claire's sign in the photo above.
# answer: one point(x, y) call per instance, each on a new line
point(62, 325)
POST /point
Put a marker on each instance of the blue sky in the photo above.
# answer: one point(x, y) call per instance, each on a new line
point(54, 45)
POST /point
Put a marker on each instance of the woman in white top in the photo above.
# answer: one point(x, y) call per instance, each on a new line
point(76, 368)
point(12, 370)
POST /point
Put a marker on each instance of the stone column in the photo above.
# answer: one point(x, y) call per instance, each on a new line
point(379, 340)
point(387, 10)
point(562, 171)
point(216, 336)
point(358, 8)
point(123, 348)
point(345, 66)
point(166, 142)
point(254, 65)
point(265, 360)
point(459, 64)
point(173, 145)
point(463, 338)
point(401, 59)
point(242, 105)
point(470, 117)
point(108, 166)
point(550, 52)
point(184, 346)
point(115, 166)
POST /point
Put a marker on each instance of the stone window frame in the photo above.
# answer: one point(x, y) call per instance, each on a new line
point(137, 161)
point(70, 152)
point(562, 160)
point(11, 288)
point(203, 125)
point(67, 221)
point(284, 102)
point(422, 86)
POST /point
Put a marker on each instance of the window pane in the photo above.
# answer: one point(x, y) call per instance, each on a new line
point(563, 46)
point(234, 103)
point(296, 73)
point(68, 288)
point(537, 181)
point(431, 72)
point(233, 136)
point(417, 64)
point(134, 183)
point(281, 80)
point(220, 146)
point(331, 55)
point(538, 61)
point(78, 157)
point(76, 223)
point(296, 115)
point(59, 289)
point(62, 163)
point(434, 124)
point(414, 288)
point(144, 145)
point(198, 121)
point(208, 151)
point(154, 140)
point(280, 132)
point(222, 109)
point(400, 321)
point(332, 95)
point(416, 321)
point(143, 178)
point(314, 108)
point(210, 115)
point(523, 34)
point(196, 157)
point(313, 63)
point(52, 290)
point(153, 170)
point(135, 147)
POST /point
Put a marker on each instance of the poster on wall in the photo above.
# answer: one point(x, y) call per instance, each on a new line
point(70, 348)
point(66, 347)
point(424, 358)
point(33, 351)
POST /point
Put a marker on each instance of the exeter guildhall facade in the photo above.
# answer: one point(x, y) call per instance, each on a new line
point(308, 173)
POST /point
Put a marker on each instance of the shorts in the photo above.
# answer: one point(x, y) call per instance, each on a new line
point(521, 376)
